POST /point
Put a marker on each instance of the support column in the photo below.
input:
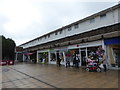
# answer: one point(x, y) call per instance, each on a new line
point(37, 57)
point(86, 53)
point(108, 57)
point(56, 56)
point(16, 56)
point(49, 57)
point(23, 57)
point(64, 58)
point(103, 45)
point(80, 57)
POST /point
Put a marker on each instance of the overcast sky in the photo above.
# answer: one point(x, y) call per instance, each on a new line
point(24, 20)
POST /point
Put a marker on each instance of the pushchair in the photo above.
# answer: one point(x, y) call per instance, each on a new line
point(93, 67)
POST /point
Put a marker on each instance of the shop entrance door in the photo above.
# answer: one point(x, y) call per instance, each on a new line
point(116, 54)
point(83, 57)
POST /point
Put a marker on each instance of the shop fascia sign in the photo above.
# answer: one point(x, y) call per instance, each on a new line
point(85, 44)
point(19, 52)
point(59, 49)
point(78, 45)
point(28, 53)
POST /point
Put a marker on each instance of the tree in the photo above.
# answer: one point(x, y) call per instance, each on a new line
point(8, 48)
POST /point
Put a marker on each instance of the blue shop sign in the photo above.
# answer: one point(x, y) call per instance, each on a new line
point(112, 41)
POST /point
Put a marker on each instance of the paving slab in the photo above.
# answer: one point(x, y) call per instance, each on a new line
point(52, 76)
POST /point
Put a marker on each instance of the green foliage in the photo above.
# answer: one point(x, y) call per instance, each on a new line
point(8, 48)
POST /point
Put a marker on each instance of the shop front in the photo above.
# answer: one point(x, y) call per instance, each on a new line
point(113, 51)
point(87, 49)
point(83, 50)
point(43, 56)
point(29, 57)
point(56, 54)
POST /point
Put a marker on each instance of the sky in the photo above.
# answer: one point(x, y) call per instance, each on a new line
point(24, 20)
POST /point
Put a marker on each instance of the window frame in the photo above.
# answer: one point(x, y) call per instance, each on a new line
point(61, 31)
point(92, 20)
point(76, 26)
point(102, 16)
point(69, 28)
point(56, 33)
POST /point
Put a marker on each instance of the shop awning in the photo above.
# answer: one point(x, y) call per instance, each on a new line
point(112, 41)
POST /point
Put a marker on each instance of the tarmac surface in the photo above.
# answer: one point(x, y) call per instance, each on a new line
point(51, 76)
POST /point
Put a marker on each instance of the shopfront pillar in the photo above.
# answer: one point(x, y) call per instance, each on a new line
point(80, 57)
point(49, 57)
point(23, 57)
point(64, 57)
point(16, 56)
point(37, 57)
point(108, 56)
point(86, 52)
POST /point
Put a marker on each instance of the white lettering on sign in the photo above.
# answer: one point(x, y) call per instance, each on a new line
point(3, 62)
point(11, 62)
point(83, 44)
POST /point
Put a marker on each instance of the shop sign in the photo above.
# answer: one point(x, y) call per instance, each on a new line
point(64, 49)
point(112, 41)
point(59, 49)
point(52, 50)
point(85, 44)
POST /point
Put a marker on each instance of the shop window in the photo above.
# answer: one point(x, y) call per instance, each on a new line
point(53, 57)
point(116, 53)
point(43, 57)
point(94, 53)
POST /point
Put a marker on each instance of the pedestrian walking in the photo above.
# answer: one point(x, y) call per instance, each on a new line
point(104, 59)
point(74, 61)
point(58, 59)
point(104, 62)
point(77, 61)
point(67, 61)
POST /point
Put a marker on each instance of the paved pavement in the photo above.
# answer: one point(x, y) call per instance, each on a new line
point(52, 76)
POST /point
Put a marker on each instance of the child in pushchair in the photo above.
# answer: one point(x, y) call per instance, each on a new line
point(92, 65)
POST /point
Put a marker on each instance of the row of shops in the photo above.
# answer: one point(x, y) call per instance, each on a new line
point(83, 50)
